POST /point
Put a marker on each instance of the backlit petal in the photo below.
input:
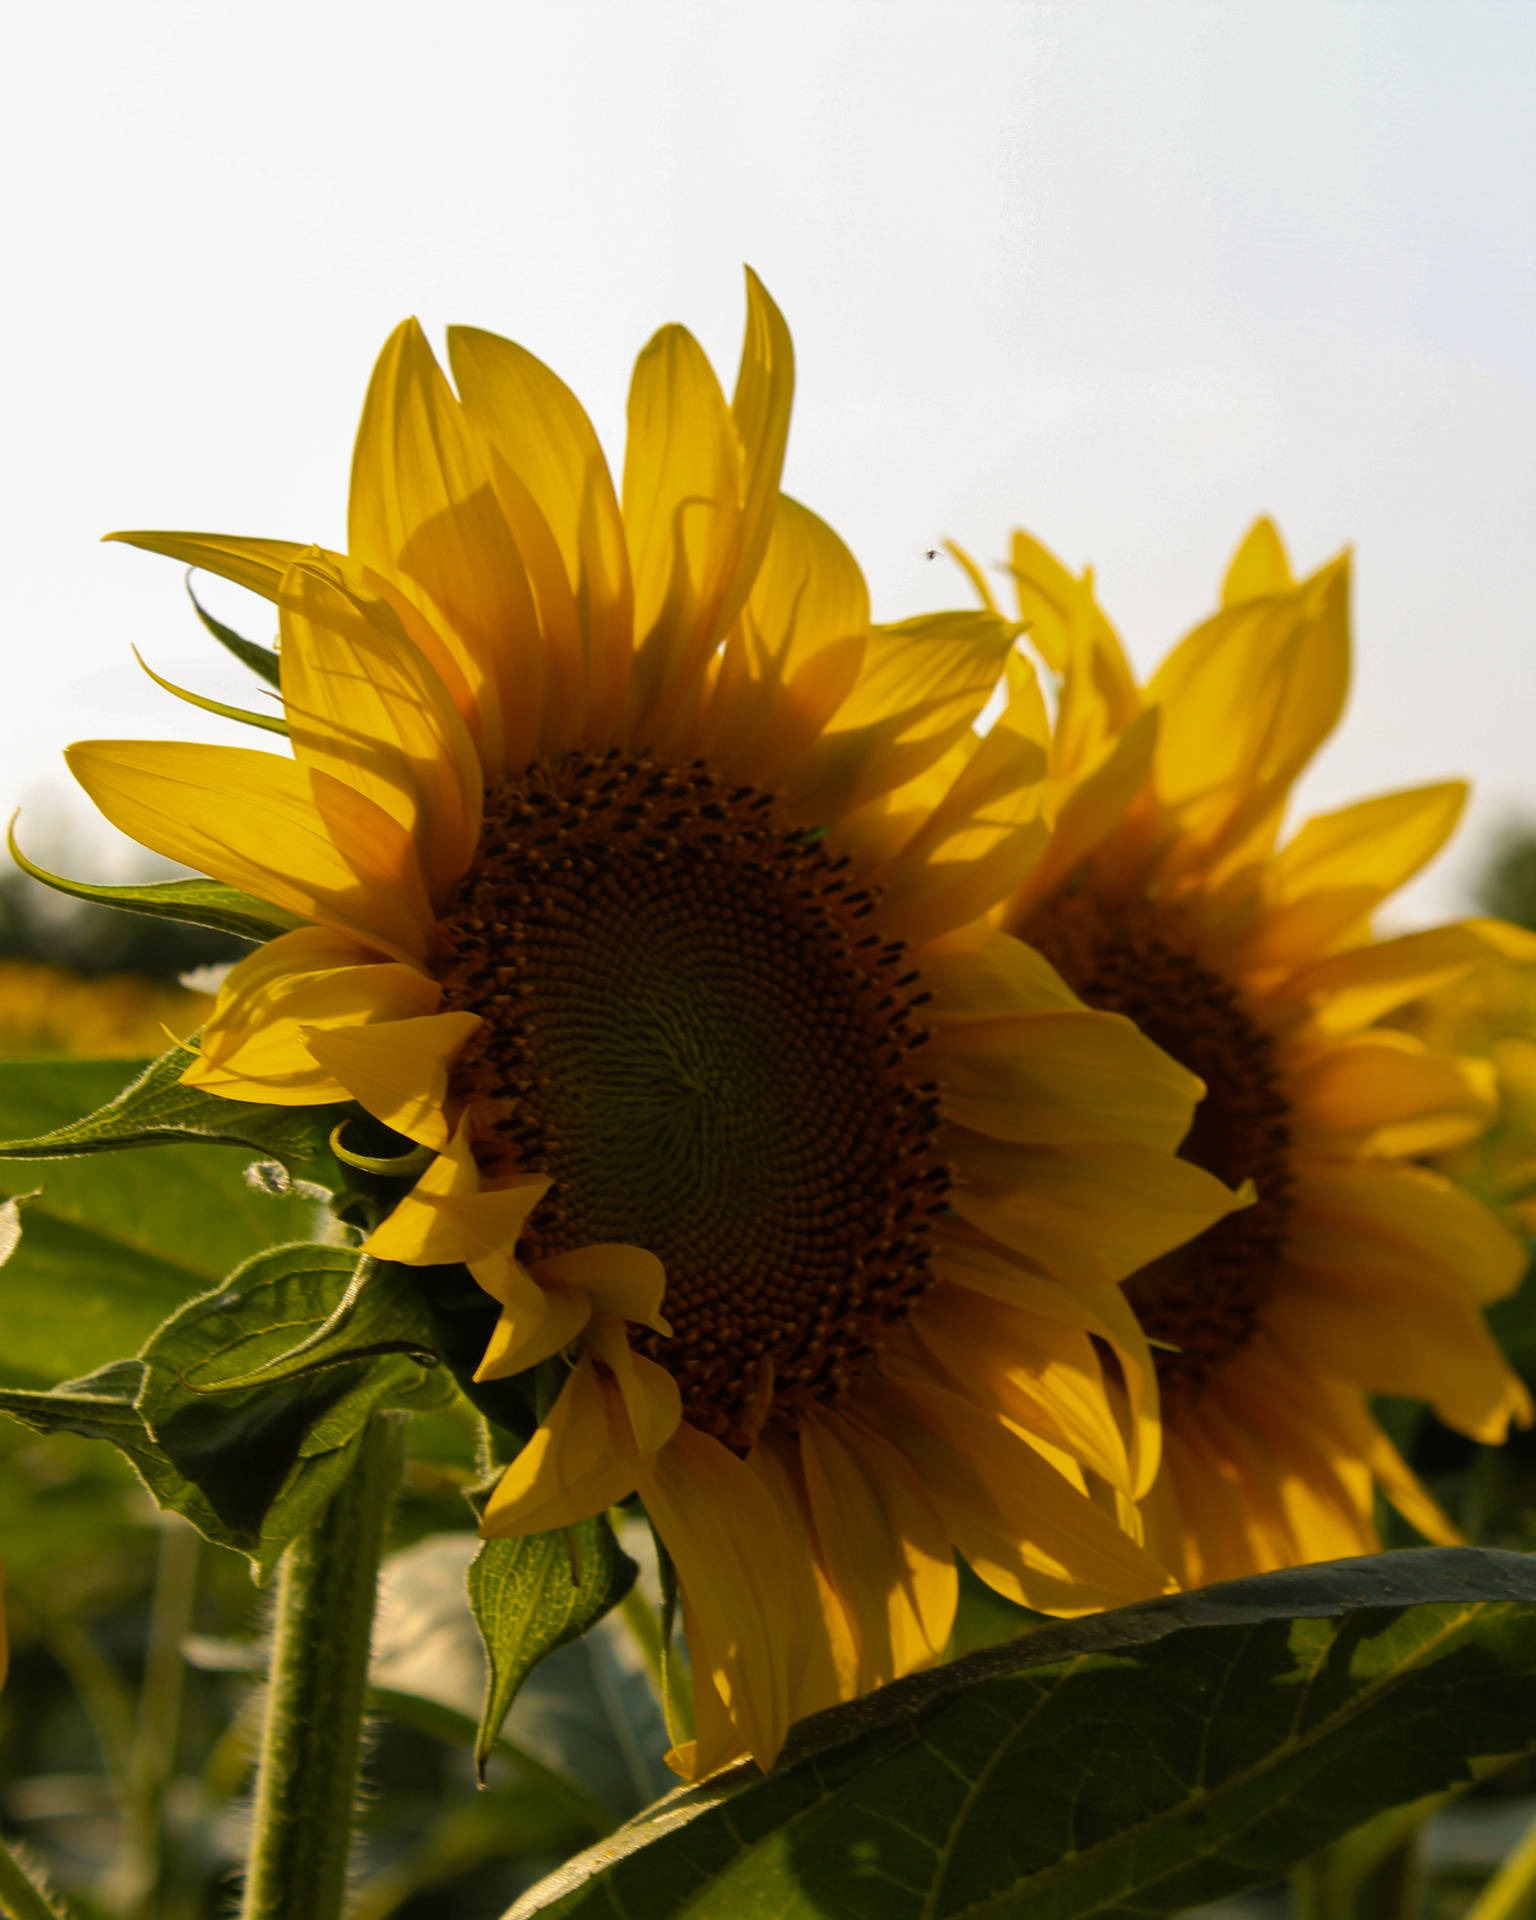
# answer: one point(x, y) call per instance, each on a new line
point(398, 1070)
point(582, 1460)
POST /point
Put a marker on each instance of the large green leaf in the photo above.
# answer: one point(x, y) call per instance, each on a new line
point(244, 1411)
point(155, 1108)
point(532, 1595)
point(1137, 1763)
point(109, 1248)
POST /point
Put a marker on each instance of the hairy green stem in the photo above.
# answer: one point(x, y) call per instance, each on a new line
point(311, 1745)
point(20, 1896)
point(1511, 1893)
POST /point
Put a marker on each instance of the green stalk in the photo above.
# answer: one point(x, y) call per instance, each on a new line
point(1511, 1893)
point(20, 1896)
point(311, 1745)
point(152, 1760)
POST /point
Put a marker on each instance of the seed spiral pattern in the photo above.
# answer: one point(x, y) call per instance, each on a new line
point(694, 1026)
point(1207, 1299)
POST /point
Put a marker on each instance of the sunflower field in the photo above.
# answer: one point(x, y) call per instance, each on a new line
point(767, 1264)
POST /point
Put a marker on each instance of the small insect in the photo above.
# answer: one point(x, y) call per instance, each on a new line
point(931, 553)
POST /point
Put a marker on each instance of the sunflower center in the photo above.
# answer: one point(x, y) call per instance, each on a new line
point(694, 1025)
point(1204, 1300)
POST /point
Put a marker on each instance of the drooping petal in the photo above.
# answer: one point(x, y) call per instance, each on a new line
point(581, 1460)
point(258, 565)
point(745, 1577)
point(254, 1045)
point(621, 1280)
point(1017, 1521)
point(537, 1321)
point(265, 824)
point(650, 1394)
point(884, 1545)
point(1383, 1094)
point(398, 1070)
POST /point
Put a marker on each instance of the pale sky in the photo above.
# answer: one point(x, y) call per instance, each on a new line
point(1124, 271)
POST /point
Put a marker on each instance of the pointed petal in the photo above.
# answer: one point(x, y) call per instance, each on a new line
point(650, 1394)
point(536, 1321)
point(364, 705)
point(266, 825)
point(1020, 1525)
point(627, 1281)
point(580, 1461)
point(1383, 1094)
point(979, 973)
point(424, 511)
point(258, 565)
point(884, 1545)
point(760, 407)
point(253, 1044)
point(398, 1070)
point(540, 430)
point(683, 519)
point(1050, 1078)
point(1260, 566)
point(1095, 1213)
point(746, 1579)
point(1348, 991)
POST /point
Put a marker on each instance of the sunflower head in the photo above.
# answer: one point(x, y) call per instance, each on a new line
point(644, 884)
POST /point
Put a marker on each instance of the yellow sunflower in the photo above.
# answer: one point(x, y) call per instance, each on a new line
point(1167, 895)
point(630, 894)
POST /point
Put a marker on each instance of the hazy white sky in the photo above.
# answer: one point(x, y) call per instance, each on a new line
point(1124, 271)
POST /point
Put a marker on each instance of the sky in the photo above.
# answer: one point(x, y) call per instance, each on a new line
point(1125, 274)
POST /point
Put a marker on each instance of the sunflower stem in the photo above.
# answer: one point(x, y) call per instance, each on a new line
point(311, 1745)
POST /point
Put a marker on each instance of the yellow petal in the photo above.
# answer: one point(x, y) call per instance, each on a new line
point(1343, 1408)
point(1385, 1094)
point(364, 705)
point(398, 1070)
point(1095, 1213)
point(582, 1460)
point(884, 1546)
point(760, 407)
point(253, 1045)
point(258, 565)
point(921, 685)
point(979, 973)
point(1259, 567)
point(1038, 1372)
point(1017, 1521)
point(627, 1281)
point(792, 657)
point(1247, 699)
point(1396, 1223)
point(423, 511)
point(539, 428)
point(650, 1394)
point(1095, 805)
point(745, 1577)
point(269, 826)
point(683, 518)
point(1348, 991)
point(1049, 1078)
point(829, 1670)
point(432, 1228)
point(536, 1321)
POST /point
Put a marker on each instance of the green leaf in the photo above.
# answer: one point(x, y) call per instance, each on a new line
point(157, 1108)
point(245, 1409)
point(261, 660)
point(1137, 1763)
point(109, 1248)
point(199, 902)
point(532, 1595)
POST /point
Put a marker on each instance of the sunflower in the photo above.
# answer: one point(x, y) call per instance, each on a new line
point(644, 883)
point(1166, 895)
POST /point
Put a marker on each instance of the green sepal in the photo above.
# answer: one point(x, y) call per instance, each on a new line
point(199, 903)
point(246, 716)
point(250, 653)
point(532, 1595)
point(244, 1411)
point(156, 1108)
point(1137, 1763)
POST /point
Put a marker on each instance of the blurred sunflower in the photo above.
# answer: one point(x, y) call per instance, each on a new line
point(1490, 1014)
point(1165, 895)
point(645, 885)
